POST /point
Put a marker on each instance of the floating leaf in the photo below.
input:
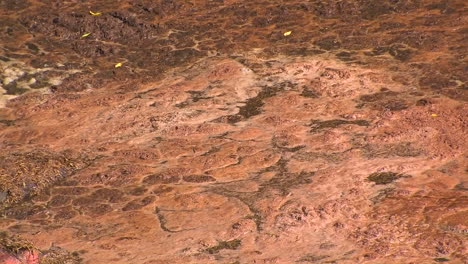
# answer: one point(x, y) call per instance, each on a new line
point(85, 35)
point(119, 64)
point(95, 13)
point(434, 115)
point(287, 33)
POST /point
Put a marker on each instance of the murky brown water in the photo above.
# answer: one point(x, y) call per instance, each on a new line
point(221, 139)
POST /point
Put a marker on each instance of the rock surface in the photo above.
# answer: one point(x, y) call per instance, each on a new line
point(220, 139)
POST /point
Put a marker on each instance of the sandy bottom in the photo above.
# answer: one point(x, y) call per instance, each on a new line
point(215, 151)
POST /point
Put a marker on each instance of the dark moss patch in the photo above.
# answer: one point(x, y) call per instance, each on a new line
point(395, 105)
point(109, 195)
point(7, 122)
point(3, 58)
point(180, 57)
point(163, 221)
point(211, 151)
point(70, 190)
point(59, 200)
point(159, 178)
point(139, 203)
point(382, 178)
point(382, 100)
point(377, 51)
point(285, 181)
point(231, 245)
point(312, 258)
point(333, 157)
point(320, 125)
point(14, 5)
point(377, 96)
point(199, 178)
point(345, 56)
point(33, 47)
point(195, 97)
point(137, 191)
point(436, 81)
point(162, 189)
point(83, 201)
point(373, 9)
point(462, 186)
point(309, 93)
point(423, 102)
point(33, 172)
point(390, 25)
point(303, 51)
point(328, 43)
point(382, 195)
point(400, 52)
point(13, 89)
point(96, 209)
point(253, 105)
point(14, 244)
point(231, 119)
point(65, 214)
point(57, 255)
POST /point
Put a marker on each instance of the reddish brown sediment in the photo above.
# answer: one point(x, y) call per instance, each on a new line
point(221, 140)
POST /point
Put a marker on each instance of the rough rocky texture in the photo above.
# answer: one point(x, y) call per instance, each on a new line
point(221, 140)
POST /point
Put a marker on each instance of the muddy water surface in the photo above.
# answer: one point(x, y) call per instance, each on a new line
point(220, 139)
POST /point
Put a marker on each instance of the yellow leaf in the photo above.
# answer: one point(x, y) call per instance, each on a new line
point(85, 35)
point(287, 33)
point(434, 115)
point(119, 64)
point(95, 13)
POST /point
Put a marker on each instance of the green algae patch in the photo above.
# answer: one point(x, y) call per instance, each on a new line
point(231, 244)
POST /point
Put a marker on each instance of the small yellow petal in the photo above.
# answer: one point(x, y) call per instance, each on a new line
point(95, 13)
point(85, 35)
point(119, 64)
point(287, 33)
point(434, 115)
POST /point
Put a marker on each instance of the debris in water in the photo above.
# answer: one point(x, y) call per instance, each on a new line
point(95, 13)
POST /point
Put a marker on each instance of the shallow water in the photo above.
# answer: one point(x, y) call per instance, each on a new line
point(221, 139)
